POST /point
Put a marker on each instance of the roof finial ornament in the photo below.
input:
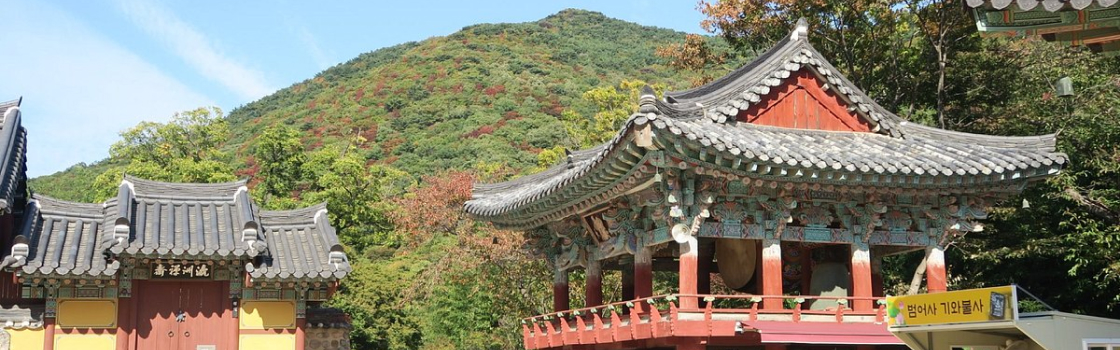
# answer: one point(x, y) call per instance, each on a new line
point(647, 102)
point(801, 31)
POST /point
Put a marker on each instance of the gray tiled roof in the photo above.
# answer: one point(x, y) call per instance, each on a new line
point(13, 152)
point(1048, 5)
point(301, 244)
point(174, 220)
point(899, 154)
point(189, 220)
point(23, 315)
point(64, 239)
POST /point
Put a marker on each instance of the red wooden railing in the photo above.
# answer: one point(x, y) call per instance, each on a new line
point(661, 317)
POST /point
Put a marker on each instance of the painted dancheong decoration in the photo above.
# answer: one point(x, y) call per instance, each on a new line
point(782, 176)
point(161, 266)
point(1094, 24)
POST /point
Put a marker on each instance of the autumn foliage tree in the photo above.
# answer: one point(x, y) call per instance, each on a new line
point(489, 271)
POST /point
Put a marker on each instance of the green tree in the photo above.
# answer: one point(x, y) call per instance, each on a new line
point(1070, 229)
point(353, 189)
point(280, 156)
point(613, 106)
point(185, 149)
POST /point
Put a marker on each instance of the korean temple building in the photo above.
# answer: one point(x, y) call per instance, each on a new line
point(784, 180)
point(161, 266)
point(1094, 24)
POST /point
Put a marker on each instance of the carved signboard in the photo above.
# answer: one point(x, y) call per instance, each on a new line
point(176, 270)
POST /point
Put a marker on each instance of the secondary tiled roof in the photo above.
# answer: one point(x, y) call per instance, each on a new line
point(13, 152)
point(24, 315)
point(174, 220)
point(1048, 5)
point(897, 154)
point(64, 239)
point(327, 317)
point(301, 244)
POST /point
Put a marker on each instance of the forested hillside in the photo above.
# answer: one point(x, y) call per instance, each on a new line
point(394, 138)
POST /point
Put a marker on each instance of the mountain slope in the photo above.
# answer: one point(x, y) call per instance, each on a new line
point(489, 94)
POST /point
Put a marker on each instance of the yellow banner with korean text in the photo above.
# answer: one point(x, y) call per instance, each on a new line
point(962, 306)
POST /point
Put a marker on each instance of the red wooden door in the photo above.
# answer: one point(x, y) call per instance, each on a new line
point(203, 305)
point(183, 315)
point(155, 315)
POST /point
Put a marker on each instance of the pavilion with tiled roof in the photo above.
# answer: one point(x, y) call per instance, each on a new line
point(783, 177)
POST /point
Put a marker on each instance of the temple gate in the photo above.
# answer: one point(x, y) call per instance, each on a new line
point(161, 266)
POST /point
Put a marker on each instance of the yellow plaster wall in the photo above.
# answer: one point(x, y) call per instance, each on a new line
point(87, 313)
point(267, 342)
point(268, 314)
point(84, 342)
point(26, 338)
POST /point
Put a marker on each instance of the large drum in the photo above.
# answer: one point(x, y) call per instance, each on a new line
point(736, 259)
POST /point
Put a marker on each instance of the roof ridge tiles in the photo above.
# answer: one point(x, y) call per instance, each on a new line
point(54, 206)
point(151, 188)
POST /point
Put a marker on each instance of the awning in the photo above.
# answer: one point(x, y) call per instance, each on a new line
point(822, 333)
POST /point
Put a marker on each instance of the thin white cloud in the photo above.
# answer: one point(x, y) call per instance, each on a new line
point(80, 89)
point(196, 49)
point(317, 54)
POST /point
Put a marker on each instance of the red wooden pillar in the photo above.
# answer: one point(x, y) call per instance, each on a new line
point(771, 272)
point(124, 323)
point(643, 273)
point(861, 276)
point(688, 272)
point(705, 259)
point(301, 337)
point(560, 297)
point(593, 291)
point(774, 347)
point(48, 333)
point(877, 276)
point(935, 270)
point(627, 267)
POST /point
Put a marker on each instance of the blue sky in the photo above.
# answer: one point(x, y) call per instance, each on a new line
point(89, 69)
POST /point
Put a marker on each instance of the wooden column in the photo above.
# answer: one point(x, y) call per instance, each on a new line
point(774, 347)
point(124, 323)
point(771, 272)
point(688, 272)
point(643, 273)
point(935, 270)
point(861, 275)
point(560, 297)
point(704, 268)
point(48, 333)
point(877, 276)
point(301, 337)
point(627, 266)
point(593, 291)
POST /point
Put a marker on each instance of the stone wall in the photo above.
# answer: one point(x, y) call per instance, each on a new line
point(327, 339)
